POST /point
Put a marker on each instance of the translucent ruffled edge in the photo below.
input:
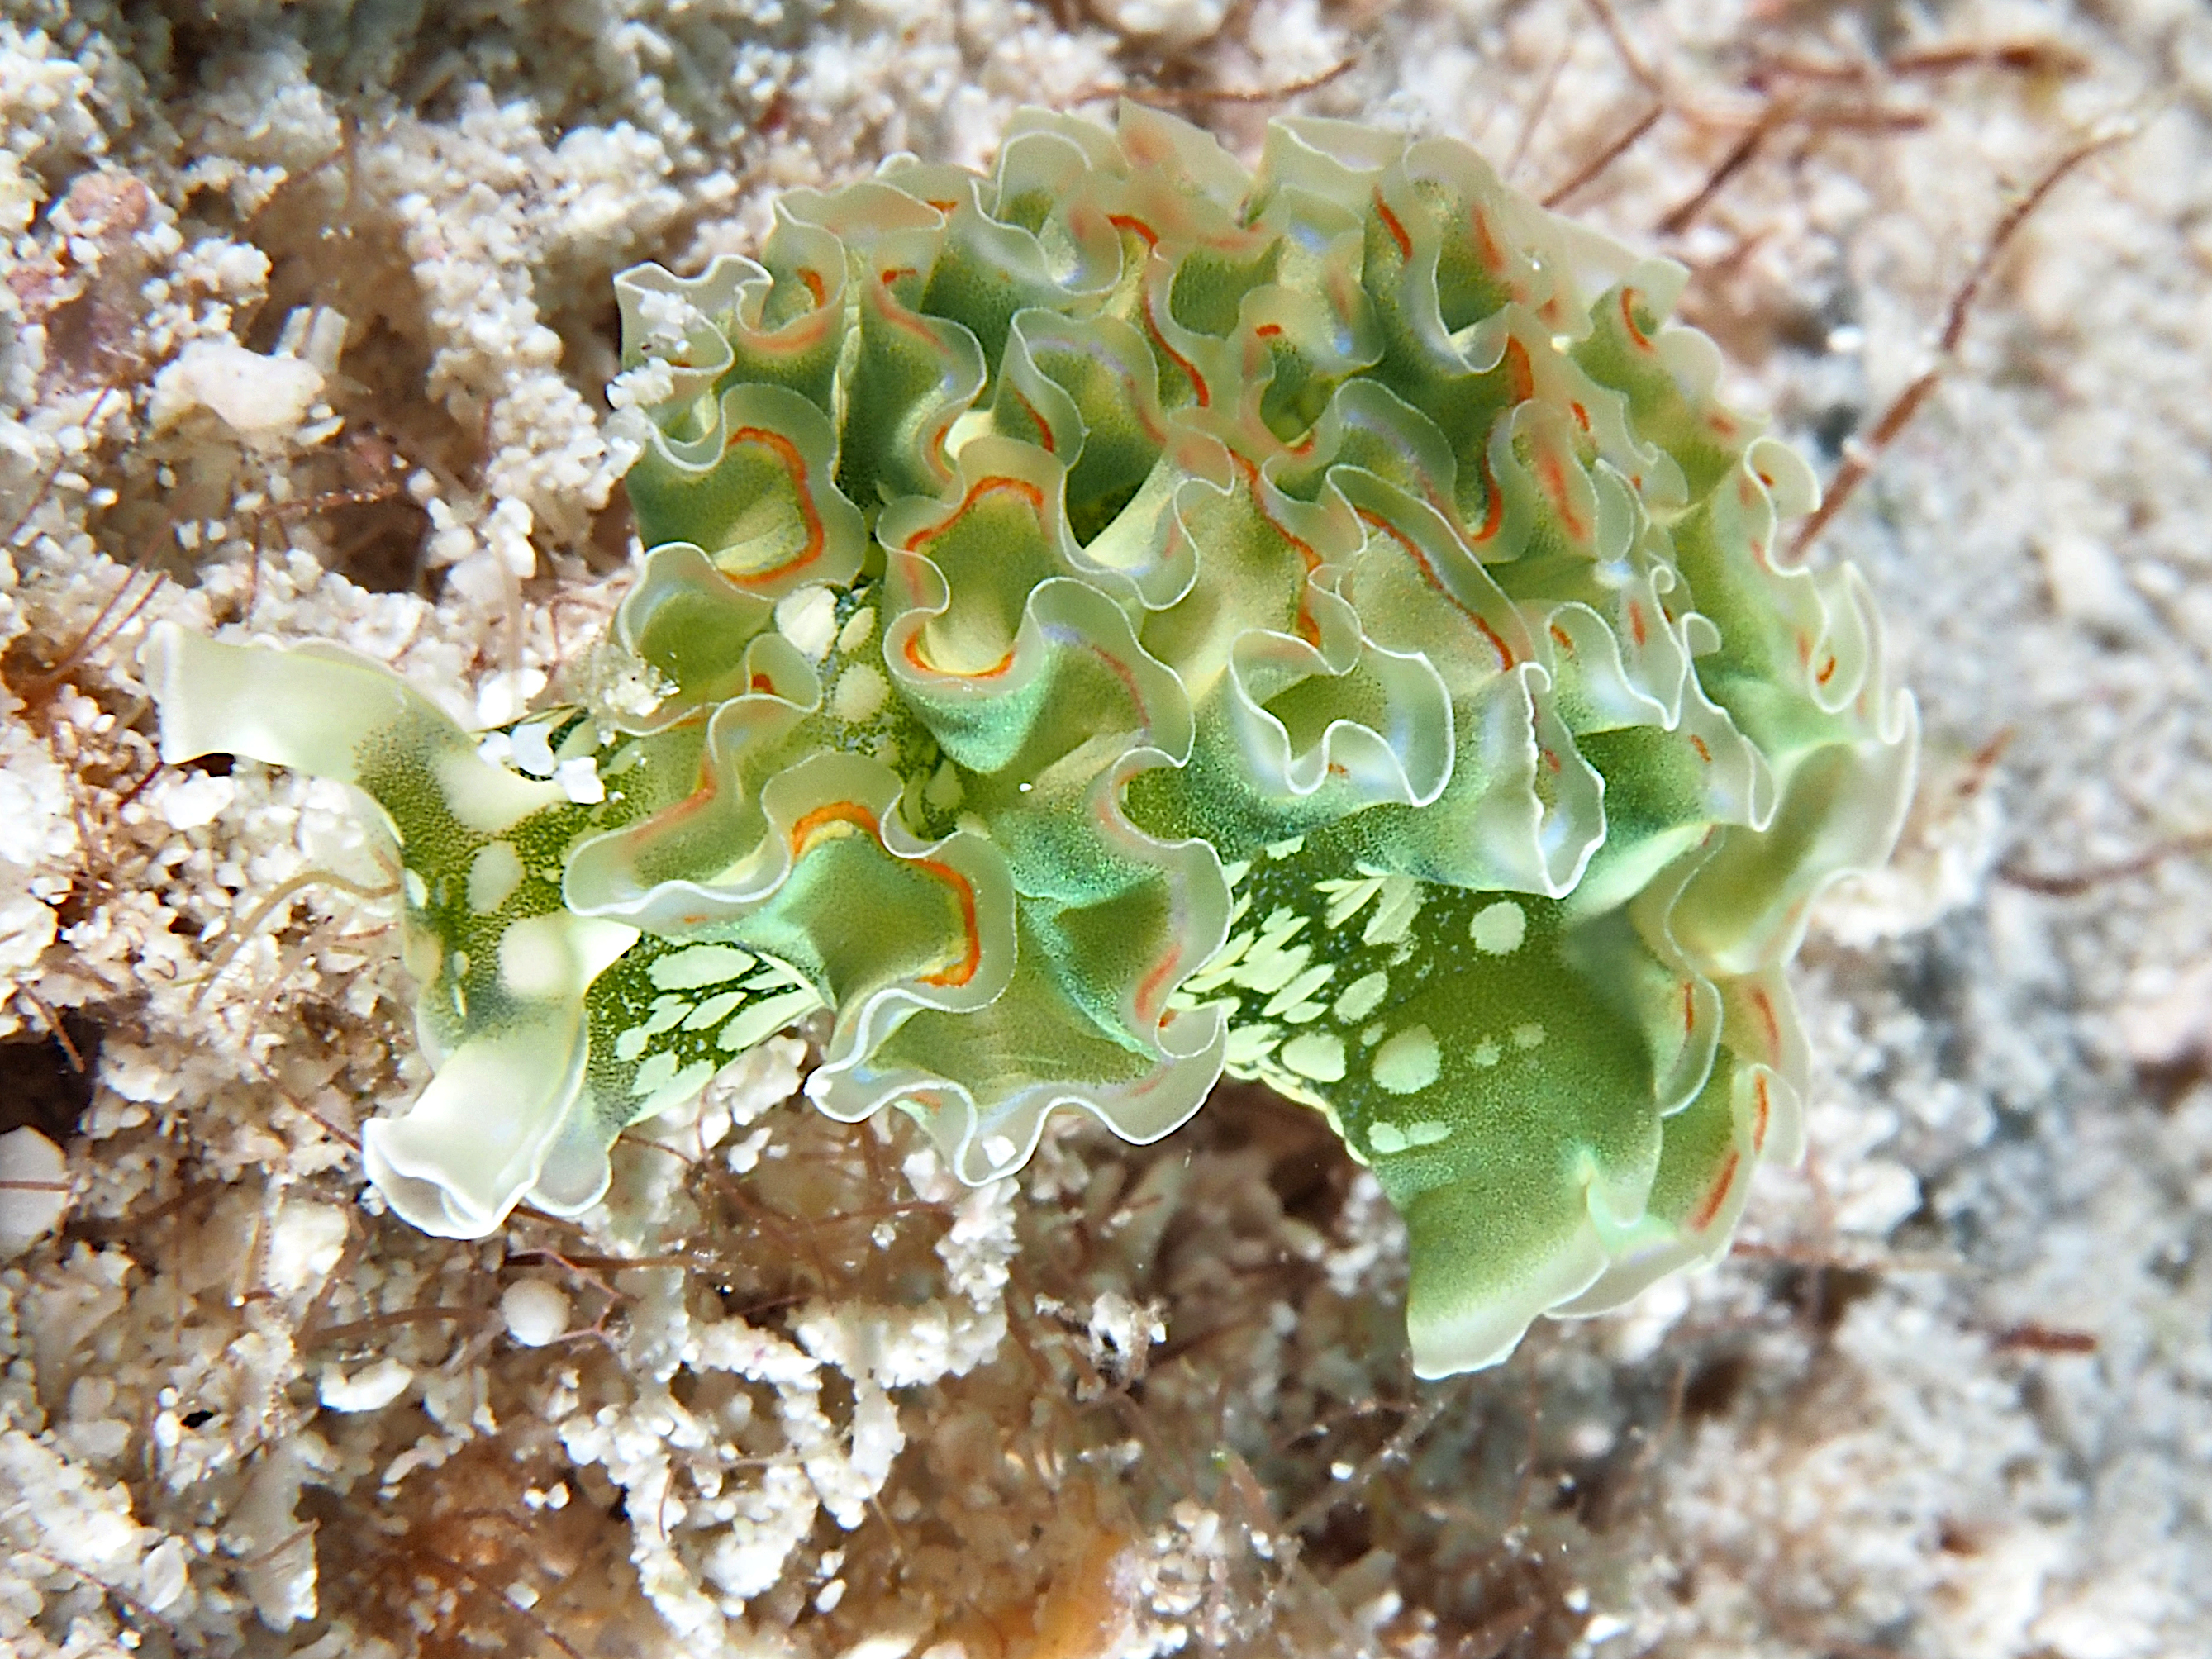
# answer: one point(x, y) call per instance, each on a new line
point(499, 1123)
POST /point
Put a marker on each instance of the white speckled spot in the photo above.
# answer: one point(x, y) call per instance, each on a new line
point(861, 691)
point(1346, 898)
point(1373, 1035)
point(858, 629)
point(1484, 1053)
point(808, 619)
point(1301, 987)
point(681, 1086)
point(654, 1075)
point(1498, 929)
point(765, 1018)
point(1408, 1062)
point(1316, 1054)
point(494, 874)
point(534, 958)
point(1386, 1138)
point(1250, 1044)
point(1363, 997)
point(489, 799)
point(712, 1011)
point(702, 964)
point(1529, 1036)
point(666, 1013)
point(1400, 902)
point(1267, 968)
point(1426, 1132)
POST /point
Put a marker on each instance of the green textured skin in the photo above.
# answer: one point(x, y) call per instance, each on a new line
point(1124, 619)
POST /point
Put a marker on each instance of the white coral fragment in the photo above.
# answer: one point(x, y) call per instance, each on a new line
point(263, 399)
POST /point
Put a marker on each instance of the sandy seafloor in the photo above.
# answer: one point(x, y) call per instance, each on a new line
point(1951, 1395)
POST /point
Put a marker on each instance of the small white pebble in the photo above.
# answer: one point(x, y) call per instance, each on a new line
point(34, 1189)
point(162, 1576)
point(195, 799)
point(535, 1311)
point(580, 781)
point(533, 749)
point(369, 1389)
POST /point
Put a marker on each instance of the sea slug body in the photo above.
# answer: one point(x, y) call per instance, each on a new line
point(1125, 618)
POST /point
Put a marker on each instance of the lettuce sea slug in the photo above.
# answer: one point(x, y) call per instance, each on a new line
point(1125, 618)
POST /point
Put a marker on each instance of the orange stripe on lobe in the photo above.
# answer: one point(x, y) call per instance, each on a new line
point(1205, 393)
point(1492, 258)
point(1520, 374)
point(1628, 319)
point(913, 655)
point(1429, 573)
point(1494, 511)
point(1044, 432)
point(810, 828)
point(1136, 227)
point(786, 454)
point(982, 487)
point(1553, 471)
point(1148, 992)
point(963, 970)
point(1702, 1218)
point(1390, 223)
point(1765, 1007)
point(1308, 554)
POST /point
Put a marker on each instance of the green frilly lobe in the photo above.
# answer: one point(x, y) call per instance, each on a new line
point(1123, 618)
